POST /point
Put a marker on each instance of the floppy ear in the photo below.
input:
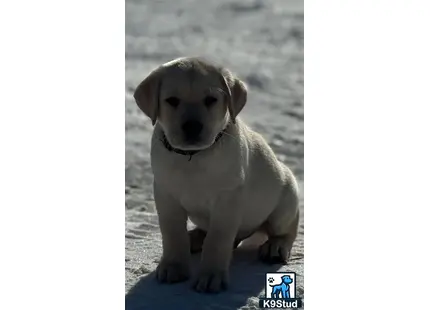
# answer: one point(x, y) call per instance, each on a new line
point(237, 94)
point(147, 94)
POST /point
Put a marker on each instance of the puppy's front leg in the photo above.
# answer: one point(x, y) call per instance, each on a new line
point(218, 246)
point(174, 264)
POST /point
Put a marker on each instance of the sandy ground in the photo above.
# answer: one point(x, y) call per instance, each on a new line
point(262, 41)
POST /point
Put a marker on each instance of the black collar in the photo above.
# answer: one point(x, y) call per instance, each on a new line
point(190, 153)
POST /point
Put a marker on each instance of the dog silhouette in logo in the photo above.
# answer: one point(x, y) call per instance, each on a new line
point(282, 289)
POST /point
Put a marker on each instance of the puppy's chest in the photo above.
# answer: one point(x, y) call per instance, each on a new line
point(196, 184)
point(195, 189)
point(195, 192)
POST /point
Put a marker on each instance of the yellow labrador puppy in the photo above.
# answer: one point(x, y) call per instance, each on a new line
point(210, 167)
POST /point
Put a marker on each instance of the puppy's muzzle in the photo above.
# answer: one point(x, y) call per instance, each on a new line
point(192, 130)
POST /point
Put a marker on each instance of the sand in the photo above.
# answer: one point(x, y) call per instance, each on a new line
point(262, 41)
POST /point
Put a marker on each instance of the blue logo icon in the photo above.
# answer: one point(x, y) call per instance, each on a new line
point(280, 291)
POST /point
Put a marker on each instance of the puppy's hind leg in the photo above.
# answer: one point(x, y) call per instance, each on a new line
point(281, 228)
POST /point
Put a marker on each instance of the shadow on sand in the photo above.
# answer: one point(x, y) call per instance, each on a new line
point(247, 279)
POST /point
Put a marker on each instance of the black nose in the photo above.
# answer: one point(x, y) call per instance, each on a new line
point(192, 129)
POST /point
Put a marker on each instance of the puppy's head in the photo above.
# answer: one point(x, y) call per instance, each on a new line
point(192, 99)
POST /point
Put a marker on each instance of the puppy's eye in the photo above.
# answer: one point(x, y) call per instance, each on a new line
point(173, 101)
point(210, 101)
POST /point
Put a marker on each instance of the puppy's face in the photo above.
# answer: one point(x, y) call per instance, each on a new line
point(192, 100)
point(192, 107)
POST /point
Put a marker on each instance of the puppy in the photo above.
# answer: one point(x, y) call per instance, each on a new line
point(211, 168)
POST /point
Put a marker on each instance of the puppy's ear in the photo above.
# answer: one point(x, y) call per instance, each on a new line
point(147, 94)
point(236, 92)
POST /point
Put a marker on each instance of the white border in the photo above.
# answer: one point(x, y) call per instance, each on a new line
point(366, 167)
point(62, 155)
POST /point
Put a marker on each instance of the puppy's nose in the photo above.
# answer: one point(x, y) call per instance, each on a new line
point(192, 129)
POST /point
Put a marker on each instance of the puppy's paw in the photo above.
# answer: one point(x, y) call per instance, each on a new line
point(172, 272)
point(274, 251)
point(211, 281)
